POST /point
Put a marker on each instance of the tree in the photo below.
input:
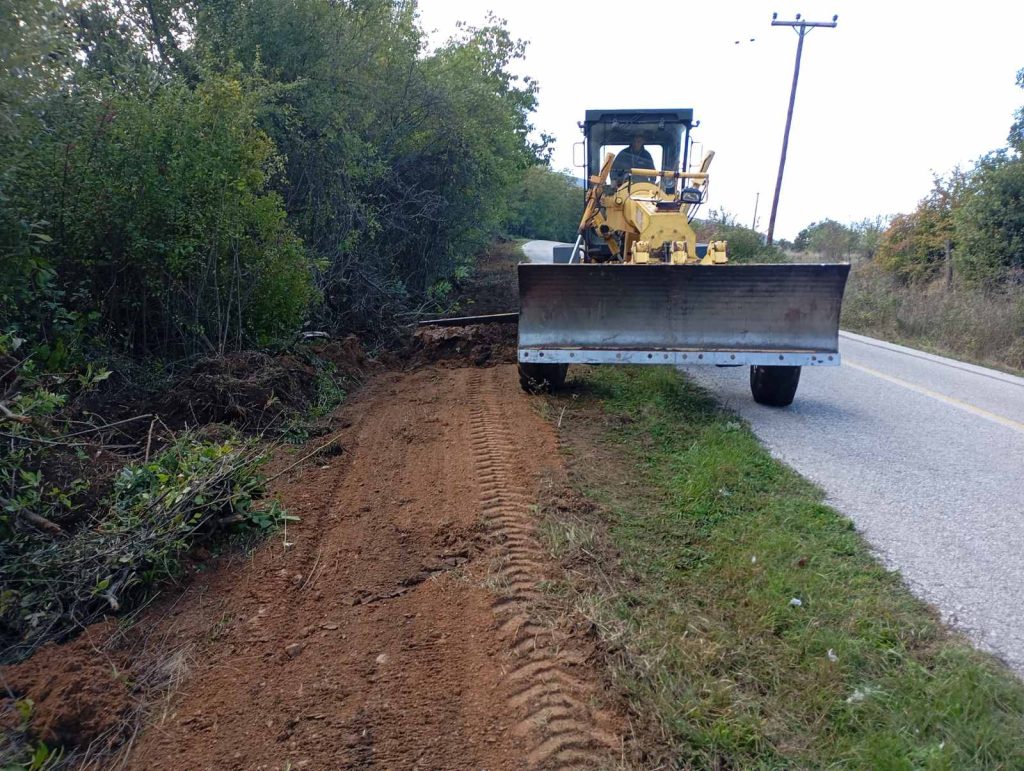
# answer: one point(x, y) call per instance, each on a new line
point(989, 222)
point(915, 246)
point(828, 238)
point(546, 204)
point(869, 235)
point(1016, 137)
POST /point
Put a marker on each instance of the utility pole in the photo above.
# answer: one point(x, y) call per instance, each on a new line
point(757, 200)
point(802, 27)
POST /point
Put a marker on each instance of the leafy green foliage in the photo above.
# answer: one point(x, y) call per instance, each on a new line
point(546, 204)
point(830, 239)
point(156, 511)
point(34, 423)
point(195, 177)
point(161, 223)
point(990, 221)
point(399, 161)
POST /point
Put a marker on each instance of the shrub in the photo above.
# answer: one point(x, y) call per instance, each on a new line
point(158, 509)
point(165, 222)
point(546, 204)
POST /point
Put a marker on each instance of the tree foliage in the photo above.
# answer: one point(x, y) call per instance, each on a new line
point(990, 220)
point(546, 204)
point(184, 177)
point(978, 215)
point(832, 240)
point(914, 246)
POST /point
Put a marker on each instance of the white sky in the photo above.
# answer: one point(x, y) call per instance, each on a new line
point(898, 89)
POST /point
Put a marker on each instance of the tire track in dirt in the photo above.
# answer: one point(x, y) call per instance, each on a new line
point(403, 626)
point(562, 729)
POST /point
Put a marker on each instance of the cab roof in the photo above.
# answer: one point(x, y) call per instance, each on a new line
point(627, 117)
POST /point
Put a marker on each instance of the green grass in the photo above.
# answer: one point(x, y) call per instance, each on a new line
point(705, 542)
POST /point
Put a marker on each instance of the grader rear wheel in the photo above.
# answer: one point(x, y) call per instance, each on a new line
point(542, 378)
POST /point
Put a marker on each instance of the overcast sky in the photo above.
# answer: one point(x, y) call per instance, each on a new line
point(897, 90)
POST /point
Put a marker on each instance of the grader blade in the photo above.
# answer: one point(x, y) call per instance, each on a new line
point(680, 314)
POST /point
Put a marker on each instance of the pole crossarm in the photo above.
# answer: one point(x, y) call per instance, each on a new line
point(829, 24)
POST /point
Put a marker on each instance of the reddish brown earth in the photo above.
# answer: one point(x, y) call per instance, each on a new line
point(399, 624)
point(77, 695)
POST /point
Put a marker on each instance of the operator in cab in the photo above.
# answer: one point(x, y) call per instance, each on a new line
point(633, 157)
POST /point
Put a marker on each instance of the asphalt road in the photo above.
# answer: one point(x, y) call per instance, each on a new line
point(926, 456)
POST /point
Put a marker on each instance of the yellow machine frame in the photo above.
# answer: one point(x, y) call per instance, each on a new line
point(654, 224)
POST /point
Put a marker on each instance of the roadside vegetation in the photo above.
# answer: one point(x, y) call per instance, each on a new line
point(746, 621)
point(186, 190)
point(546, 205)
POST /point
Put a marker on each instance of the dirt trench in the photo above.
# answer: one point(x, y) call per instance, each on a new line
point(401, 623)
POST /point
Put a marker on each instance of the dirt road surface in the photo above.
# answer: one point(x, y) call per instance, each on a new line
point(403, 627)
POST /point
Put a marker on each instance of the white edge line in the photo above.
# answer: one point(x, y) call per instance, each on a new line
point(914, 352)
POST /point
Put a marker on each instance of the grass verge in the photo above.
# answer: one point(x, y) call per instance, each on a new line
point(745, 621)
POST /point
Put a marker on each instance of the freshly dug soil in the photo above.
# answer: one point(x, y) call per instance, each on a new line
point(400, 623)
point(246, 387)
point(481, 345)
point(79, 690)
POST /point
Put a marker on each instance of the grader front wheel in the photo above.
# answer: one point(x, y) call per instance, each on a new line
point(774, 386)
point(542, 378)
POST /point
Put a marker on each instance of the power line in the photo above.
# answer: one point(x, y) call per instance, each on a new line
point(801, 27)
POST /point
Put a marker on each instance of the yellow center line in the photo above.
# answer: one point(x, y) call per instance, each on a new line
point(1003, 421)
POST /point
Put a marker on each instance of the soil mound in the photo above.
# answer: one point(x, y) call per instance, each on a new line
point(251, 388)
point(483, 345)
point(78, 690)
point(240, 388)
point(346, 355)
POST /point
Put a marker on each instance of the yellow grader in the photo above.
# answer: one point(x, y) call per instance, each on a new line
point(637, 287)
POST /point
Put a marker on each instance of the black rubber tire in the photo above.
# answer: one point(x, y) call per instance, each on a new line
point(542, 378)
point(774, 386)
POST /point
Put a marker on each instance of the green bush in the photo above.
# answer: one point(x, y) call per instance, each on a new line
point(162, 223)
point(546, 204)
point(990, 220)
point(158, 509)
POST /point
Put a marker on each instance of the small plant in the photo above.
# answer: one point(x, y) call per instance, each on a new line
point(32, 421)
point(329, 391)
point(156, 512)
